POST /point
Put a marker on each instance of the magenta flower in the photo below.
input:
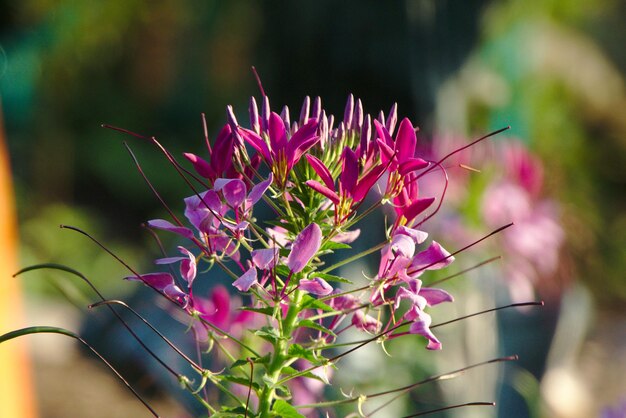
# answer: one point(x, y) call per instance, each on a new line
point(163, 283)
point(221, 157)
point(399, 155)
point(279, 147)
point(352, 189)
point(222, 310)
point(188, 267)
point(365, 322)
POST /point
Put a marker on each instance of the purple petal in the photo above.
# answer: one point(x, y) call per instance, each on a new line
point(434, 257)
point(168, 226)
point(320, 188)
point(402, 244)
point(405, 140)
point(303, 139)
point(188, 266)
point(156, 280)
point(317, 286)
point(417, 235)
point(163, 282)
point(349, 111)
point(412, 164)
point(258, 190)
point(234, 191)
point(256, 142)
point(304, 248)
point(222, 150)
point(200, 209)
point(365, 322)
point(343, 302)
point(417, 207)
point(422, 327)
point(265, 258)
point(201, 166)
point(321, 171)
point(349, 171)
point(277, 133)
point(435, 296)
point(346, 237)
point(383, 134)
point(366, 183)
point(417, 301)
point(246, 280)
point(168, 260)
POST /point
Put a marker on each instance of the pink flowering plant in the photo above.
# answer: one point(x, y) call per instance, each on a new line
point(276, 333)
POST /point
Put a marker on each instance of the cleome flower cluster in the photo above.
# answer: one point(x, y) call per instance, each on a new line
point(319, 177)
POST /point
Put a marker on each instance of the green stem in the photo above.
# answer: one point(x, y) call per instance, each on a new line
point(354, 257)
point(280, 358)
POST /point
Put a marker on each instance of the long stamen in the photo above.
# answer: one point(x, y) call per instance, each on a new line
point(55, 330)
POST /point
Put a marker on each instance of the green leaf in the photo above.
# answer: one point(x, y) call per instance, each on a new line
point(263, 311)
point(36, 330)
point(282, 270)
point(256, 360)
point(332, 278)
point(296, 350)
point(288, 371)
point(284, 410)
point(233, 412)
point(315, 325)
point(269, 334)
point(308, 302)
point(243, 381)
point(330, 245)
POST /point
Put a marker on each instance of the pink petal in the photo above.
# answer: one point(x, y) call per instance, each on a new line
point(277, 133)
point(168, 226)
point(346, 237)
point(164, 283)
point(365, 322)
point(265, 258)
point(417, 207)
point(304, 248)
point(435, 296)
point(201, 166)
point(188, 267)
point(365, 184)
point(323, 190)
point(257, 191)
point(221, 157)
point(422, 327)
point(405, 140)
point(412, 164)
point(234, 191)
point(417, 235)
point(246, 280)
point(317, 286)
point(435, 257)
point(321, 171)
point(256, 142)
point(303, 139)
point(349, 171)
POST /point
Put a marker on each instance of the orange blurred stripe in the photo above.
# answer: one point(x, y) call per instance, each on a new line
point(16, 390)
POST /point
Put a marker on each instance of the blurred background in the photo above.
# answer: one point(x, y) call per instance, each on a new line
point(552, 69)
